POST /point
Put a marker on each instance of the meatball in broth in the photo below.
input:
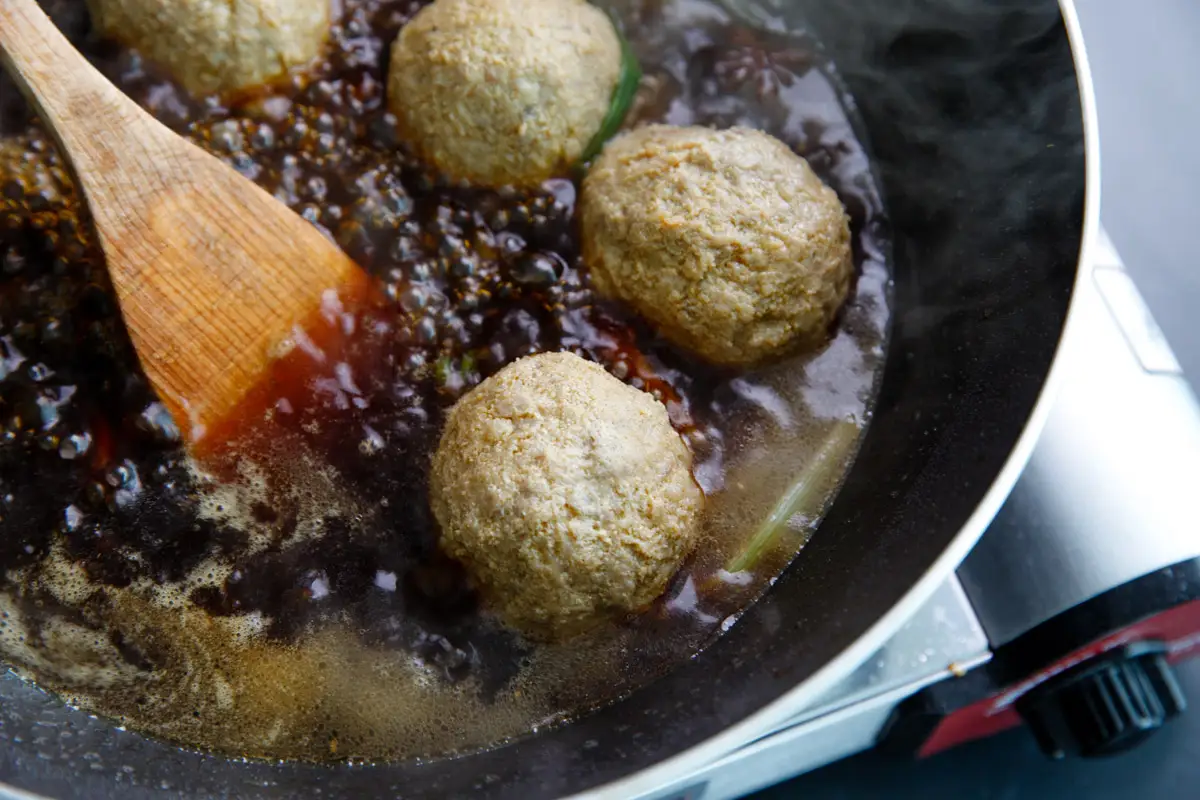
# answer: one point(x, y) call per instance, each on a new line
point(565, 492)
point(218, 45)
point(500, 92)
point(726, 240)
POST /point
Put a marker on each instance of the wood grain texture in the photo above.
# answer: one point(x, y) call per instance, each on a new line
point(212, 273)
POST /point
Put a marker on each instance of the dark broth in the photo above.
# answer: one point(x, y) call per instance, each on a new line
point(287, 599)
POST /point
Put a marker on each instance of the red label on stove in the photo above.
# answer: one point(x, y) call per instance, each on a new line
point(1179, 627)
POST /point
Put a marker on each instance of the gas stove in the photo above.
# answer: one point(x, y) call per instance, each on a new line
point(1070, 611)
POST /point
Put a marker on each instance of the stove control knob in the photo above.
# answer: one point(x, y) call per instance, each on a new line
point(1105, 705)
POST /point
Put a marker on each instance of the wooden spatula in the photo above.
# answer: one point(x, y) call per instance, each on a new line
point(212, 273)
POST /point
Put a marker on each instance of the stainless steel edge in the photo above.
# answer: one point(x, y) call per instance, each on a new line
point(941, 641)
point(659, 778)
point(12, 793)
point(807, 747)
point(1109, 493)
point(942, 638)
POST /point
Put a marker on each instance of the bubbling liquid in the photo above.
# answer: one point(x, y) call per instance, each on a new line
point(286, 599)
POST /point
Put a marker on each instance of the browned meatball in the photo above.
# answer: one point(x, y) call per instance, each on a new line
point(565, 492)
point(726, 240)
point(218, 45)
point(504, 91)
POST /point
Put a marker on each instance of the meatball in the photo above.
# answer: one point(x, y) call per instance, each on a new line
point(218, 45)
point(726, 240)
point(502, 92)
point(566, 493)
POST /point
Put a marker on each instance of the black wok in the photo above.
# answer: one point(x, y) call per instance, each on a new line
point(975, 114)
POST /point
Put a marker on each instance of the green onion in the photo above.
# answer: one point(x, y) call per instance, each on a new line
point(804, 493)
point(622, 97)
point(467, 364)
point(442, 369)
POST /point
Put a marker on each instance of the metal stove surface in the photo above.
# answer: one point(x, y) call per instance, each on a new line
point(1098, 505)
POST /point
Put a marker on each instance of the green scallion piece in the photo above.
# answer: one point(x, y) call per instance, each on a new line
point(801, 497)
point(622, 98)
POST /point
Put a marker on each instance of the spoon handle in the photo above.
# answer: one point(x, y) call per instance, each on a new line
point(211, 271)
point(107, 138)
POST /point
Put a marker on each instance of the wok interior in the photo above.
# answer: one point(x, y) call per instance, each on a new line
point(288, 596)
point(973, 114)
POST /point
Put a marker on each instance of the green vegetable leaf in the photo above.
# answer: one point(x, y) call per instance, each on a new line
point(622, 98)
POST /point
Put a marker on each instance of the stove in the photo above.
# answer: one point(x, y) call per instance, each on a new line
point(1070, 611)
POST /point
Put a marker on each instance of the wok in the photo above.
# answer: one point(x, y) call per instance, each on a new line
point(978, 114)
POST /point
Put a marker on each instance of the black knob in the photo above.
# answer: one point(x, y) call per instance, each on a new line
point(1105, 705)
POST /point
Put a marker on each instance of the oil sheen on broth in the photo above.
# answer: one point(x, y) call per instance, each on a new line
point(302, 610)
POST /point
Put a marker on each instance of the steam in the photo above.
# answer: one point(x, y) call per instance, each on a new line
point(956, 96)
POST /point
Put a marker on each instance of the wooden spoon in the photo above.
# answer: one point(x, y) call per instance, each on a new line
point(212, 273)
